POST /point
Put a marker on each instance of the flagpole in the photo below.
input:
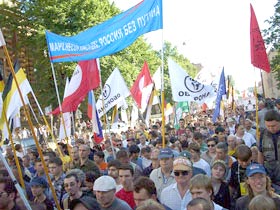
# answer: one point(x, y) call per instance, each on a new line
point(47, 124)
point(14, 150)
point(106, 117)
point(19, 189)
point(31, 127)
point(162, 94)
point(262, 83)
point(60, 109)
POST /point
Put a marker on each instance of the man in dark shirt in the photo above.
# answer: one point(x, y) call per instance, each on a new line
point(85, 163)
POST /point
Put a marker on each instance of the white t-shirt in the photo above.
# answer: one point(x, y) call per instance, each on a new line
point(203, 165)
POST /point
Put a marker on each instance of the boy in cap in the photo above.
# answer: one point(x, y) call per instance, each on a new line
point(177, 195)
point(38, 186)
point(105, 189)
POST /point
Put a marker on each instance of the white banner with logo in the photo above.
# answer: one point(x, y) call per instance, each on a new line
point(184, 88)
point(114, 91)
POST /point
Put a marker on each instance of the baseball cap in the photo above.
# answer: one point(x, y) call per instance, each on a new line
point(87, 201)
point(182, 164)
point(39, 181)
point(185, 154)
point(165, 153)
point(255, 168)
point(104, 184)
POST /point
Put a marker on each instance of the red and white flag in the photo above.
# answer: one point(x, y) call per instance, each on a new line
point(259, 57)
point(142, 88)
point(85, 78)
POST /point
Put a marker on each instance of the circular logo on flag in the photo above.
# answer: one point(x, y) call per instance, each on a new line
point(193, 85)
point(106, 91)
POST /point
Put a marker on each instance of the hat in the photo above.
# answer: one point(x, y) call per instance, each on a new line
point(185, 154)
point(165, 153)
point(39, 181)
point(87, 201)
point(104, 184)
point(255, 168)
point(182, 164)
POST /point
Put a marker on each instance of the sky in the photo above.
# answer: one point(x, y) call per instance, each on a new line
point(214, 33)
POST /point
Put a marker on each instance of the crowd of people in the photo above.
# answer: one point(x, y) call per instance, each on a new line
point(199, 166)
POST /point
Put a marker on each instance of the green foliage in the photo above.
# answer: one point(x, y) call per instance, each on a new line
point(30, 18)
point(273, 39)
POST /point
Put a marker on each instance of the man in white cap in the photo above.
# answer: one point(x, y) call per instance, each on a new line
point(105, 189)
point(177, 195)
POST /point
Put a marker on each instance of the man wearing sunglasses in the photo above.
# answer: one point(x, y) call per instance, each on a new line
point(177, 195)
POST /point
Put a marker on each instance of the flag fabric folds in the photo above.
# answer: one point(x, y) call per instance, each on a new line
point(184, 88)
point(181, 107)
point(85, 78)
point(259, 57)
point(142, 88)
point(93, 115)
point(108, 37)
point(221, 92)
point(63, 134)
point(2, 40)
point(11, 96)
point(114, 92)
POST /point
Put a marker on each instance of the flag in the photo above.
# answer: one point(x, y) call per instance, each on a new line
point(63, 134)
point(11, 98)
point(93, 115)
point(114, 91)
point(259, 57)
point(1, 92)
point(149, 107)
point(108, 37)
point(221, 92)
point(157, 81)
point(142, 88)
point(134, 116)
point(181, 107)
point(184, 88)
point(115, 115)
point(2, 40)
point(85, 78)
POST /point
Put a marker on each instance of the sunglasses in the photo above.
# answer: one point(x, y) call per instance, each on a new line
point(184, 173)
point(211, 145)
point(118, 145)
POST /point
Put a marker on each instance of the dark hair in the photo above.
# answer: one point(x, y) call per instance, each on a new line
point(9, 185)
point(18, 147)
point(194, 146)
point(197, 135)
point(145, 150)
point(219, 129)
point(272, 115)
point(122, 153)
point(114, 163)
point(91, 176)
point(72, 174)
point(56, 160)
point(100, 154)
point(126, 167)
point(215, 139)
point(134, 149)
point(243, 152)
point(145, 183)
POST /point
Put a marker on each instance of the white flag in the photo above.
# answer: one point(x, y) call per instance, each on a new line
point(184, 88)
point(2, 40)
point(114, 91)
point(66, 116)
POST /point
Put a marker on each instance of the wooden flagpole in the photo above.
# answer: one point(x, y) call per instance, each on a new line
point(31, 127)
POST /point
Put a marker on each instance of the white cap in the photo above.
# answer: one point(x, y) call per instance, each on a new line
point(104, 184)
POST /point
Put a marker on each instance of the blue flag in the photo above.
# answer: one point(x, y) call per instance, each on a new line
point(221, 92)
point(108, 37)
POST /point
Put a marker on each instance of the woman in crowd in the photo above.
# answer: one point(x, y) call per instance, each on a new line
point(211, 152)
point(258, 183)
point(220, 187)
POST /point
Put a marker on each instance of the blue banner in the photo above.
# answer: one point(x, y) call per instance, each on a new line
point(108, 37)
point(221, 92)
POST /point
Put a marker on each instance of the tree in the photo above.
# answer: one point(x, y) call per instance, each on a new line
point(272, 35)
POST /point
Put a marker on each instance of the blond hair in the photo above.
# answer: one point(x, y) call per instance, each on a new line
point(262, 202)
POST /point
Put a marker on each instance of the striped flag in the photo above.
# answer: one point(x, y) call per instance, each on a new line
point(93, 115)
